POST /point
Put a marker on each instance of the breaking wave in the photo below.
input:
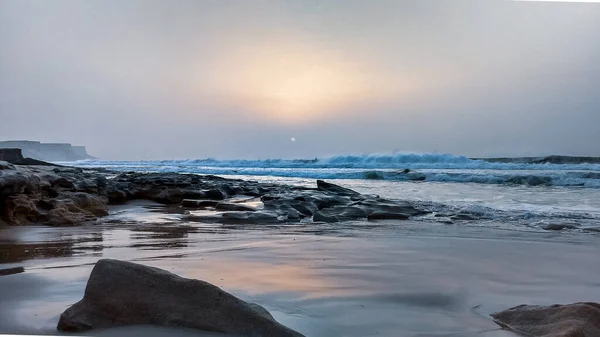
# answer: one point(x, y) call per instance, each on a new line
point(397, 167)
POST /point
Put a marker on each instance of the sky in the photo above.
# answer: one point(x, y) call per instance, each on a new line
point(176, 79)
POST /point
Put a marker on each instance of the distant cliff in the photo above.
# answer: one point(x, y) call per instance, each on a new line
point(47, 151)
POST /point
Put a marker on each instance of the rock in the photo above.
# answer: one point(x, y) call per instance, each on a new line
point(123, 293)
point(94, 204)
point(559, 226)
point(386, 206)
point(215, 194)
point(572, 320)
point(379, 215)
point(4, 165)
point(11, 271)
point(340, 213)
point(283, 206)
point(250, 217)
point(169, 196)
point(198, 204)
point(335, 189)
point(226, 206)
point(20, 210)
point(61, 216)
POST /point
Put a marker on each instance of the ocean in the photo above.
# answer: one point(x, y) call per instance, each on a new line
point(512, 195)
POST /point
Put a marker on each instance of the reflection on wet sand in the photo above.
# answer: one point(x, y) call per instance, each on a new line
point(347, 279)
point(15, 251)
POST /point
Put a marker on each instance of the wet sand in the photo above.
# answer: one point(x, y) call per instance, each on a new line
point(387, 278)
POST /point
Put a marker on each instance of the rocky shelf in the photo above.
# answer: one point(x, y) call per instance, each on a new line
point(67, 196)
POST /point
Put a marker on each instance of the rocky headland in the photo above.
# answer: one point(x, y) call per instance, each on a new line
point(47, 151)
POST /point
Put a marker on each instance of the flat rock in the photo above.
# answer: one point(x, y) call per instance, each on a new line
point(122, 293)
point(572, 320)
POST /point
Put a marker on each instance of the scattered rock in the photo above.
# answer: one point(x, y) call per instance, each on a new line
point(123, 293)
point(572, 320)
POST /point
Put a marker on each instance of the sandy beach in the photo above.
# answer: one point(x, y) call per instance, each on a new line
point(351, 279)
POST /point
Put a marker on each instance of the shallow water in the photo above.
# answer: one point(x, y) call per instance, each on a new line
point(406, 278)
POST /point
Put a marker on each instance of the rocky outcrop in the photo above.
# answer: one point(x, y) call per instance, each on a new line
point(50, 195)
point(66, 196)
point(123, 293)
point(572, 320)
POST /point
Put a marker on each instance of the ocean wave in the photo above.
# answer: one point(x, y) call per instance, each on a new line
point(498, 177)
point(411, 161)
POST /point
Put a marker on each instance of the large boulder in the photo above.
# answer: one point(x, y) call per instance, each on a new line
point(572, 320)
point(123, 293)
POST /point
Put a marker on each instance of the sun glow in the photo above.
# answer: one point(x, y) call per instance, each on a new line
point(290, 82)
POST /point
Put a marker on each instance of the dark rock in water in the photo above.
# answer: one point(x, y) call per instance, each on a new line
point(380, 215)
point(572, 320)
point(335, 189)
point(123, 293)
point(592, 229)
point(339, 213)
point(464, 216)
point(11, 271)
point(559, 226)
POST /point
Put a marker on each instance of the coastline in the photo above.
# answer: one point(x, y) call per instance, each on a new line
point(352, 276)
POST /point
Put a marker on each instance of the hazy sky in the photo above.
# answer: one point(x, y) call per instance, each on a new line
point(238, 79)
